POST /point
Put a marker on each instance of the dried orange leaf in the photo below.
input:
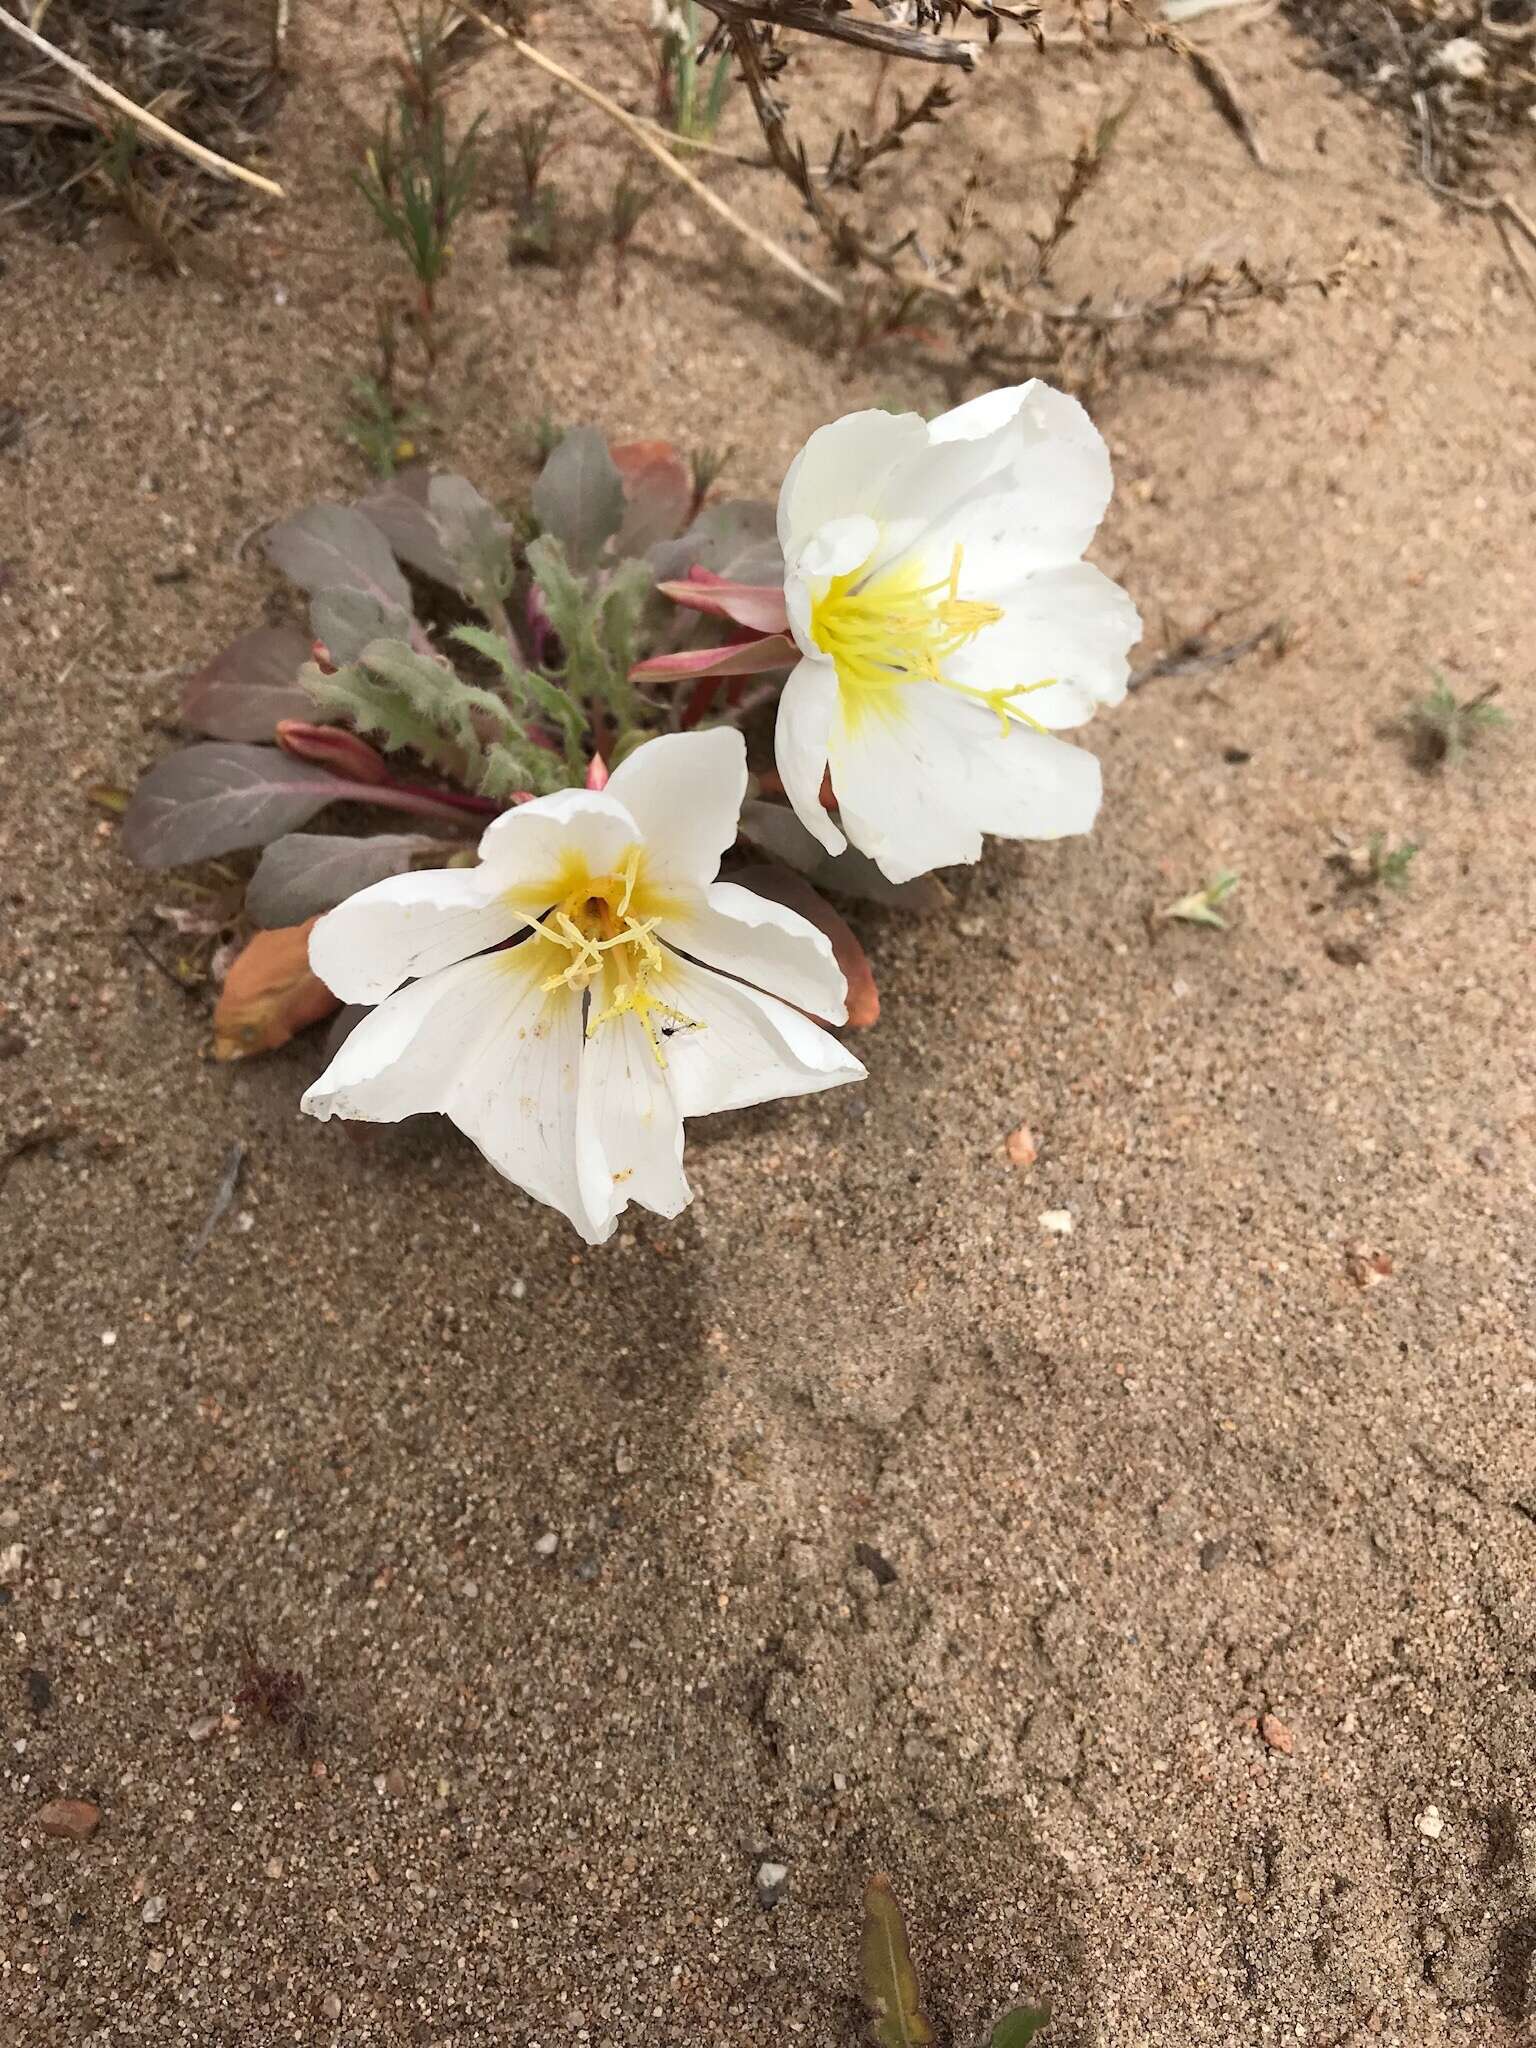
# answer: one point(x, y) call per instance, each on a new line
point(891, 1993)
point(270, 993)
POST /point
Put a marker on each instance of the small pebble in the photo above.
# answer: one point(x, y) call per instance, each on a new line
point(330, 2005)
point(469, 1589)
point(1021, 1147)
point(12, 1559)
point(69, 1820)
point(772, 1882)
point(1057, 1221)
point(394, 1782)
point(1276, 1735)
point(204, 1728)
point(154, 1962)
point(547, 1544)
point(1430, 1823)
point(623, 1459)
point(153, 1909)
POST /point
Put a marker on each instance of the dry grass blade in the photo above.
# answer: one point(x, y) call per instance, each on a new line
point(890, 1981)
point(150, 123)
point(662, 154)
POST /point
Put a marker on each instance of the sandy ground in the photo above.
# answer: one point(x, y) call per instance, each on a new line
point(1139, 1486)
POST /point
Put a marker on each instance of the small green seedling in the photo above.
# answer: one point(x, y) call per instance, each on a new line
point(1388, 866)
point(1018, 2028)
point(692, 95)
point(1445, 725)
point(384, 433)
point(416, 182)
point(631, 201)
point(1201, 906)
point(892, 1996)
point(536, 221)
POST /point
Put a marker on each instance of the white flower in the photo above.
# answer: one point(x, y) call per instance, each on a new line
point(571, 1056)
point(948, 627)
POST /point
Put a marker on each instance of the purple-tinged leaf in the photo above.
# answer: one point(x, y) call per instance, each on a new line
point(337, 547)
point(346, 620)
point(476, 540)
point(244, 691)
point(212, 799)
point(658, 491)
point(737, 540)
point(744, 658)
point(401, 509)
point(346, 753)
point(579, 497)
point(758, 606)
point(305, 873)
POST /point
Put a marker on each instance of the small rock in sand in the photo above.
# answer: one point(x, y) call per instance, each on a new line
point(69, 1820)
point(772, 1882)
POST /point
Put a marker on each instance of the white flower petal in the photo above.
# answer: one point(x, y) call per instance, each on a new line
point(900, 786)
point(838, 546)
point(408, 925)
point(629, 1132)
point(531, 847)
point(764, 943)
point(840, 470)
point(685, 793)
point(1026, 491)
point(1072, 623)
point(985, 415)
point(801, 737)
point(746, 1047)
point(1017, 784)
point(483, 1043)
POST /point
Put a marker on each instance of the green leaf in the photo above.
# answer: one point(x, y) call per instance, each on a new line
point(347, 620)
point(475, 538)
point(1200, 906)
point(1018, 2028)
point(891, 1991)
point(579, 497)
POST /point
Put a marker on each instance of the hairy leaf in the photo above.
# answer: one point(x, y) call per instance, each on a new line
point(738, 540)
point(270, 993)
point(536, 692)
point(891, 1991)
point(212, 799)
point(782, 885)
point(579, 497)
point(400, 509)
point(244, 691)
point(475, 538)
point(305, 873)
point(658, 490)
point(336, 547)
point(346, 620)
point(777, 830)
point(1018, 2028)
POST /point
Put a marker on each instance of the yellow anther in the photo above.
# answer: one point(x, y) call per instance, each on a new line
point(605, 943)
point(890, 628)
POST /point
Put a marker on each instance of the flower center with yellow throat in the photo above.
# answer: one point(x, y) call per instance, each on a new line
point(892, 627)
point(601, 934)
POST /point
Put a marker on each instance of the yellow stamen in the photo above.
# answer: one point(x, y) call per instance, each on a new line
point(597, 925)
point(892, 628)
